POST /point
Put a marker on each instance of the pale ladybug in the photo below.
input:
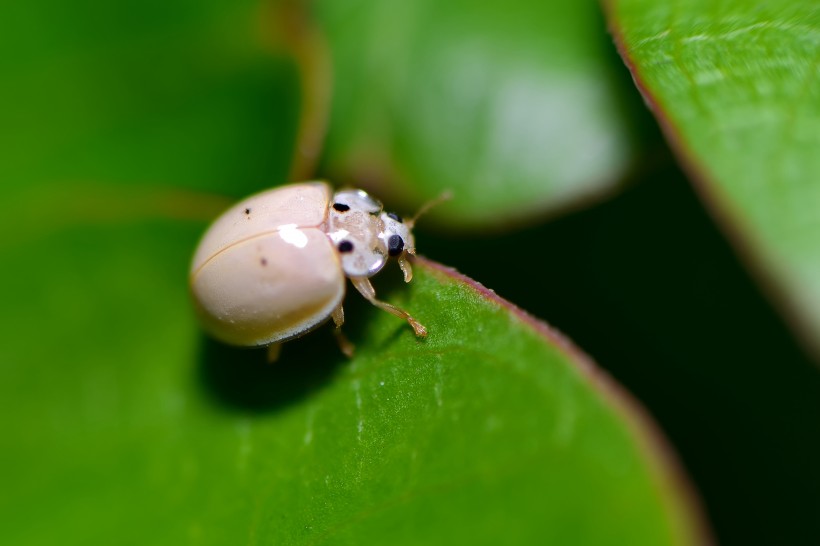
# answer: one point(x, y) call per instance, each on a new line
point(273, 267)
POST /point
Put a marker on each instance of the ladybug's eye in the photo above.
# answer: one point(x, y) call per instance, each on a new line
point(394, 216)
point(395, 245)
point(341, 207)
point(345, 246)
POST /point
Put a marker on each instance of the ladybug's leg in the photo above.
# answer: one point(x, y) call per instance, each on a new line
point(338, 316)
point(404, 264)
point(273, 352)
point(366, 289)
point(344, 344)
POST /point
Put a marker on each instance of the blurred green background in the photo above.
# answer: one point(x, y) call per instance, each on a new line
point(126, 127)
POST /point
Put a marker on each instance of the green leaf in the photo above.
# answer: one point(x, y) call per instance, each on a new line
point(121, 425)
point(735, 87)
point(515, 106)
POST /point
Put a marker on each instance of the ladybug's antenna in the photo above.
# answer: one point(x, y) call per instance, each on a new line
point(446, 195)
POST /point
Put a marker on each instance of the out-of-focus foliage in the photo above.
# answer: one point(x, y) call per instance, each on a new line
point(514, 106)
point(736, 86)
point(143, 94)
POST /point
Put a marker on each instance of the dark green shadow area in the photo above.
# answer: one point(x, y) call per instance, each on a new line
point(242, 380)
point(651, 289)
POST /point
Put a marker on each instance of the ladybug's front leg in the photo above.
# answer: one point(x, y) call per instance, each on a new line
point(366, 289)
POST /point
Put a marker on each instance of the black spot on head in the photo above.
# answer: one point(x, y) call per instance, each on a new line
point(395, 245)
point(247, 211)
point(395, 217)
point(341, 207)
point(345, 246)
point(263, 261)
